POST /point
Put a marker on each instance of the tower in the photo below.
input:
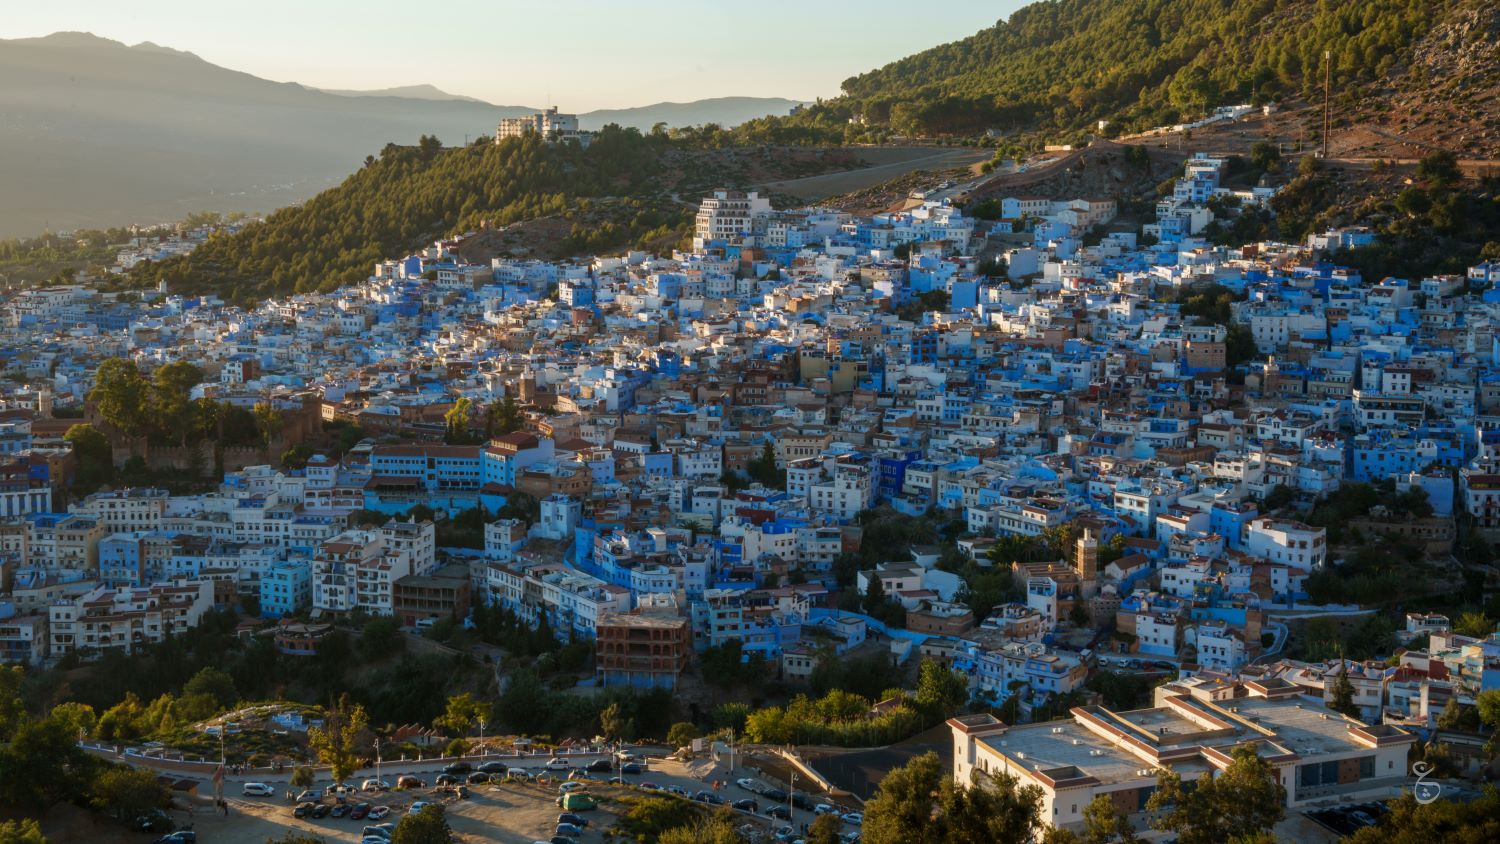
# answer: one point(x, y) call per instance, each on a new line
point(527, 391)
point(1086, 561)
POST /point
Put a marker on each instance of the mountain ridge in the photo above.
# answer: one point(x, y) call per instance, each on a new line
point(99, 133)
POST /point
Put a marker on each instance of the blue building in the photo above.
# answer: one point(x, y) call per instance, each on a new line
point(285, 588)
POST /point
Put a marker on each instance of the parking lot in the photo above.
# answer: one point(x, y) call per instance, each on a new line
point(1347, 820)
point(503, 811)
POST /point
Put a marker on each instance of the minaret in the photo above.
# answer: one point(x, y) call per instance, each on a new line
point(1086, 561)
point(527, 391)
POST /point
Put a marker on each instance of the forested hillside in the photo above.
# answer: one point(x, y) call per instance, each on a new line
point(1064, 64)
point(627, 189)
point(410, 195)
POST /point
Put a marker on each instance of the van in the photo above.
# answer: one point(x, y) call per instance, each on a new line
point(578, 801)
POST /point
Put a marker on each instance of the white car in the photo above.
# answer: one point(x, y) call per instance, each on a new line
point(747, 784)
point(559, 765)
point(374, 785)
point(258, 789)
point(417, 807)
point(825, 809)
point(855, 818)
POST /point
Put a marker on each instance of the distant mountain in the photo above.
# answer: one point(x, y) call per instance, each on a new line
point(725, 111)
point(96, 133)
point(412, 92)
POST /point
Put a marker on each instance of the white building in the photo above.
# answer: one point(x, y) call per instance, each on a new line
point(729, 215)
point(126, 619)
point(1293, 543)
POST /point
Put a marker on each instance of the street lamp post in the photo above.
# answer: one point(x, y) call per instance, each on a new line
point(481, 737)
point(377, 760)
point(791, 808)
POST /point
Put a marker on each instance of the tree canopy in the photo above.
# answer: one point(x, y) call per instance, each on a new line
point(1242, 801)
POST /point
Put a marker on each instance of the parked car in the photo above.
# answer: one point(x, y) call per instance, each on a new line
point(675, 789)
point(320, 810)
point(459, 768)
point(492, 767)
point(746, 805)
point(309, 796)
point(359, 812)
point(258, 789)
point(181, 836)
point(555, 764)
point(378, 832)
point(409, 781)
point(775, 795)
point(599, 766)
point(825, 809)
point(651, 786)
point(379, 812)
point(569, 830)
point(303, 809)
point(578, 801)
point(374, 785)
point(447, 779)
point(632, 769)
point(618, 781)
point(708, 797)
point(779, 811)
point(569, 786)
point(340, 810)
point(748, 784)
point(785, 833)
point(577, 820)
point(855, 818)
point(517, 775)
point(802, 801)
point(155, 821)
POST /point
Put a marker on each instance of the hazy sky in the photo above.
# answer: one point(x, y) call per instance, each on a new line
point(586, 54)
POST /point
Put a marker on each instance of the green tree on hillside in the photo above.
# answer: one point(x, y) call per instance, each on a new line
point(121, 394)
point(337, 741)
point(456, 422)
point(94, 454)
point(1244, 800)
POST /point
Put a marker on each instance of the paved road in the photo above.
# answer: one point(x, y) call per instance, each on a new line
point(849, 181)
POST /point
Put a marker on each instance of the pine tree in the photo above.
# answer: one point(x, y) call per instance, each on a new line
point(1342, 701)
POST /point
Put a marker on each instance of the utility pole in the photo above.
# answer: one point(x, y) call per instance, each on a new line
point(791, 807)
point(1327, 77)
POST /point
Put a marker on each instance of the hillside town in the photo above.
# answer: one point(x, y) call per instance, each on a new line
point(1035, 450)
